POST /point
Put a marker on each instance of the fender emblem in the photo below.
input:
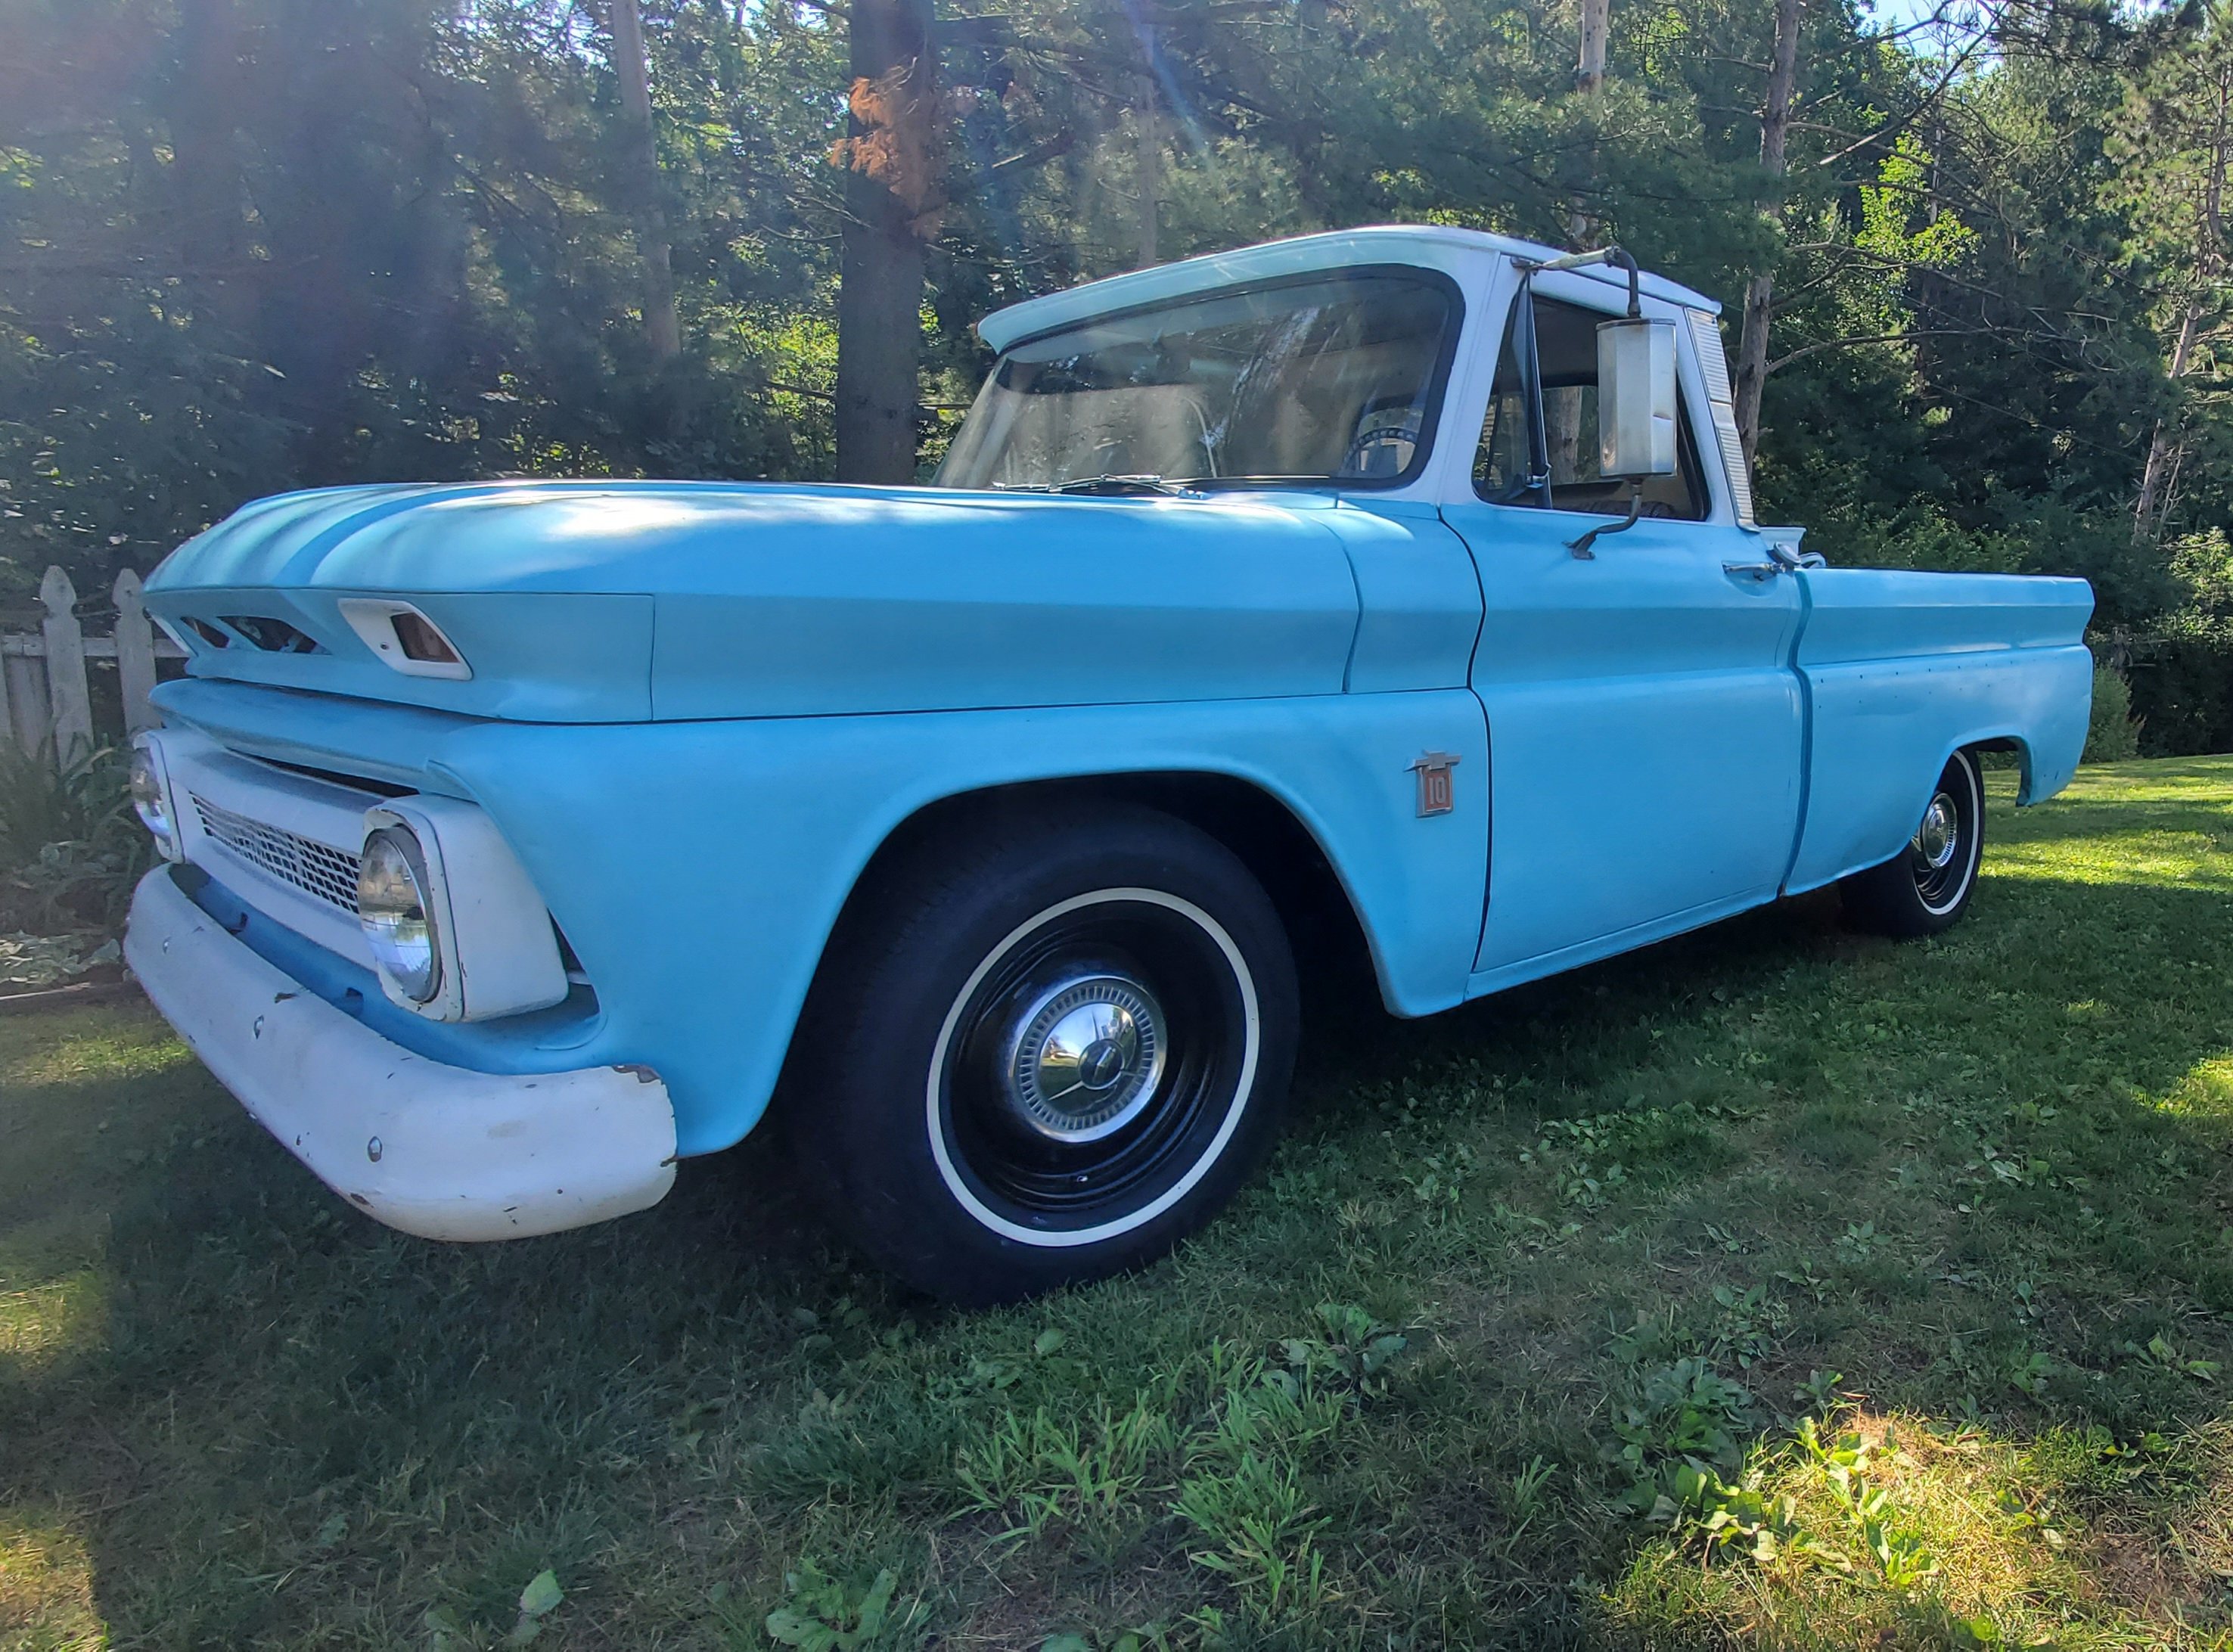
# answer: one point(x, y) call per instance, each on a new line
point(1436, 795)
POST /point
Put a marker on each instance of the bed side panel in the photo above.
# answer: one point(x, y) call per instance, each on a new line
point(1902, 670)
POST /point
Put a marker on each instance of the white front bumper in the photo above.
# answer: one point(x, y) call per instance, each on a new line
point(435, 1150)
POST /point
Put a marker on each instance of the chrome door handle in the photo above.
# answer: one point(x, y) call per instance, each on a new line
point(1761, 572)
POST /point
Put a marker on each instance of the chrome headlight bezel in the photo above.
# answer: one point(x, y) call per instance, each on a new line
point(498, 951)
point(148, 784)
point(397, 909)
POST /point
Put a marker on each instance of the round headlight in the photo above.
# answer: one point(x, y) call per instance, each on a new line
point(151, 798)
point(392, 905)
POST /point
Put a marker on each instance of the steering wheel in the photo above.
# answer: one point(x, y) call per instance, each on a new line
point(1387, 435)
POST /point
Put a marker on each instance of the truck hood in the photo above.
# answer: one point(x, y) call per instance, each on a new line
point(592, 601)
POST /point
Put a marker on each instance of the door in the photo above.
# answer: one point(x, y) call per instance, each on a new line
point(1644, 719)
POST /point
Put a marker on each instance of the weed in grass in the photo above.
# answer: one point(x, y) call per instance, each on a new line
point(1802, 1275)
point(1352, 1355)
point(542, 1596)
point(1154, 1638)
point(2161, 1354)
point(1682, 1422)
point(825, 1614)
point(1896, 1534)
point(1527, 1487)
point(2030, 1370)
point(1262, 1532)
point(1744, 1325)
point(1859, 1243)
point(1820, 1394)
point(1043, 1472)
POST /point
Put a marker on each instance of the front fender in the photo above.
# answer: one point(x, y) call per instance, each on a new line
point(697, 869)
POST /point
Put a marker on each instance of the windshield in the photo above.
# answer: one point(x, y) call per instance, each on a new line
point(1329, 380)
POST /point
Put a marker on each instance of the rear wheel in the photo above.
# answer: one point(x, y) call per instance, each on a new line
point(1056, 1051)
point(1928, 885)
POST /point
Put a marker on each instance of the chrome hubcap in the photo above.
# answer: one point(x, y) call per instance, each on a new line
point(1940, 835)
point(1081, 1061)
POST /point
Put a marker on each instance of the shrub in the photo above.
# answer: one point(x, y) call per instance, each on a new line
point(2182, 678)
point(70, 847)
point(2183, 684)
point(2113, 735)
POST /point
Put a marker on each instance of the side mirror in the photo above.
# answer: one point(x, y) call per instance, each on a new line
point(1636, 398)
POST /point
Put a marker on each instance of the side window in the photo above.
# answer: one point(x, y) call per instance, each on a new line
point(1566, 343)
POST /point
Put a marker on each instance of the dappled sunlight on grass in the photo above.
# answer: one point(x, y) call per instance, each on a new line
point(2175, 782)
point(46, 1585)
point(2120, 823)
point(115, 1048)
point(2207, 1090)
point(2174, 859)
point(1911, 1531)
point(86, 1102)
point(46, 1321)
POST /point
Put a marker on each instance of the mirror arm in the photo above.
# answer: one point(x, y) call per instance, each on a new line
point(1581, 547)
point(1620, 258)
point(1617, 256)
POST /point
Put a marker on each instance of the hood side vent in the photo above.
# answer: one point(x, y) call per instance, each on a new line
point(403, 637)
point(273, 636)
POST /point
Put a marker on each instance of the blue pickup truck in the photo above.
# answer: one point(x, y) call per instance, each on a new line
point(1398, 585)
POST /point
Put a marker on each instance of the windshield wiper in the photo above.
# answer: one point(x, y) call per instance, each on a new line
point(1100, 485)
point(1196, 482)
point(1113, 484)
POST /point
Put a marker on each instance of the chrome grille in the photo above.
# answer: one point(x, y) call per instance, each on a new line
point(316, 868)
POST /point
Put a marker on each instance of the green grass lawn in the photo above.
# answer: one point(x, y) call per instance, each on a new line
point(1772, 1286)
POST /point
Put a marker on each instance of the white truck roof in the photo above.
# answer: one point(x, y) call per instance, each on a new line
point(1431, 246)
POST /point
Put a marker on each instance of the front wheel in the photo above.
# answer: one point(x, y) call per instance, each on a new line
point(1927, 886)
point(1055, 1050)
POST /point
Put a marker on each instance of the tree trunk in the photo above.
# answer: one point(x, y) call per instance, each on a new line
point(1147, 139)
point(892, 205)
point(661, 327)
point(1589, 70)
point(204, 174)
point(2165, 453)
point(1760, 296)
point(1589, 80)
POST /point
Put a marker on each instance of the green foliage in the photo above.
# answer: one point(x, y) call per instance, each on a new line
point(1888, 1534)
point(1352, 1355)
point(70, 846)
point(2182, 670)
point(259, 246)
point(538, 1601)
point(289, 246)
point(1681, 1423)
point(2111, 735)
point(826, 1614)
point(1045, 1470)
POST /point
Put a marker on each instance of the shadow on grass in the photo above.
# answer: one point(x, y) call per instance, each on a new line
point(292, 1422)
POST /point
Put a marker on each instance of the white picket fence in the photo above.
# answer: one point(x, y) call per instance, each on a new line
point(46, 696)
